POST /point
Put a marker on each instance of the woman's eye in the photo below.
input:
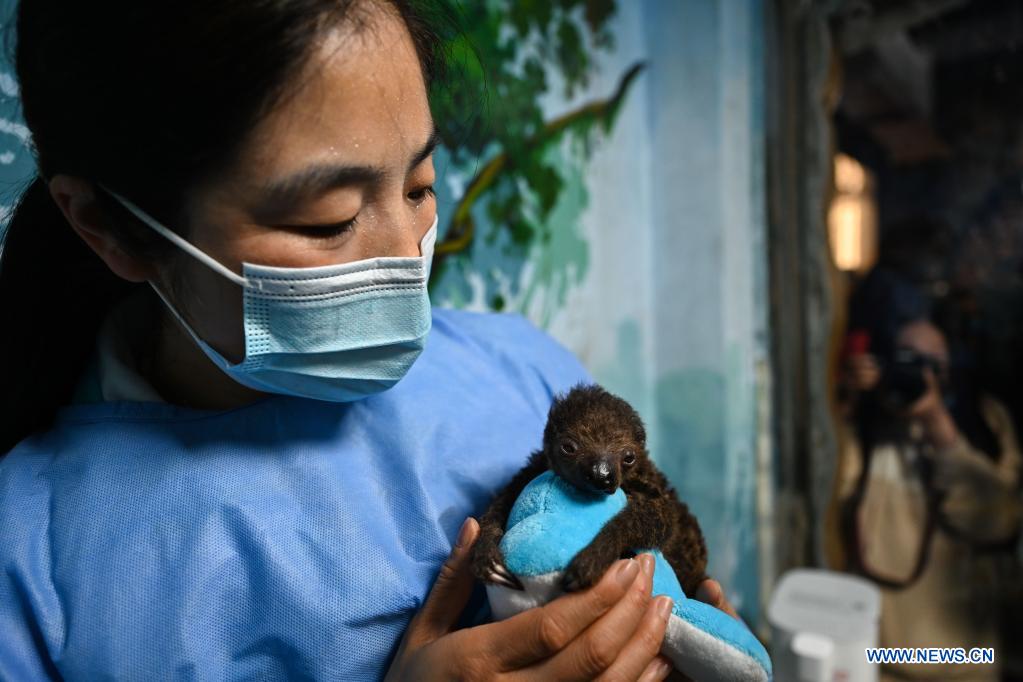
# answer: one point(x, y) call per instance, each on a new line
point(421, 194)
point(325, 231)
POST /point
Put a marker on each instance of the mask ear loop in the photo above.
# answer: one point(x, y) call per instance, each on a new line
point(210, 352)
point(184, 245)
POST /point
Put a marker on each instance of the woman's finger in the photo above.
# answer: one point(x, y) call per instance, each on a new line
point(638, 660)
point(540, 632)
point(450, 591)
point(658, 670)
point(599, 646)
point(710, 592)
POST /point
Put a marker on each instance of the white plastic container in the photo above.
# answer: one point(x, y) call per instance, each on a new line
point(821, 623)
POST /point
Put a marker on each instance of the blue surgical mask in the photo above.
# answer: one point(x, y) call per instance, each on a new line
point(335, 333)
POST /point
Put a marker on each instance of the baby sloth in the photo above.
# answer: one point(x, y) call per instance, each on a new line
point(596, 441)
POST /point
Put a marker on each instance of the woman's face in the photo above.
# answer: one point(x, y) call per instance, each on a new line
point(924, 338)
point(341, 170)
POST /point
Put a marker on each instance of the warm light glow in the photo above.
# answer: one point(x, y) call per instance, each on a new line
point(852, 217)
point(845, 220)
point(850, 176)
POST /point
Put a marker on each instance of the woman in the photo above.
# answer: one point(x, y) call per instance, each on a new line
point(928, 480)
point(240, 441)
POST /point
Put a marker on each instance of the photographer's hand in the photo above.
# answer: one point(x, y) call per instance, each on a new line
point(939, 427)
point(862, 372)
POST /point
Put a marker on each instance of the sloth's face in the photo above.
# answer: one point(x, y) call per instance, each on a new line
point(595, 462)
point(594, 439)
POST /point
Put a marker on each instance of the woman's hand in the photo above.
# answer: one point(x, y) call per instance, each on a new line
point(928, 405)
point(612, 631)
point(939, 427)
point(862, 372)
point(709, 592)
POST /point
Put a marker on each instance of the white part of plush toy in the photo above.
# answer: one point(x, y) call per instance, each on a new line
point(551, 521)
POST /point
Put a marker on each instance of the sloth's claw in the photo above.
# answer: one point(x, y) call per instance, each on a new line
point(502, 576)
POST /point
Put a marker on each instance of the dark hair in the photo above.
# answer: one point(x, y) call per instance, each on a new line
point(882, 304)
point(149, 99)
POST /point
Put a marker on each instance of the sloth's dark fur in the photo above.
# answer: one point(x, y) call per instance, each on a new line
point(596, 441)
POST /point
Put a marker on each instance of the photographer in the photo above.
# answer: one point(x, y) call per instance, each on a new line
point(927, 482)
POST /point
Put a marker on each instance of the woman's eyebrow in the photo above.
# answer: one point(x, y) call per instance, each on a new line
point(316, 180)
point(427, 149)
point(319, 178)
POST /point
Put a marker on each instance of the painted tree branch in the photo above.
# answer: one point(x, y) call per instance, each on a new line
point(462, 229)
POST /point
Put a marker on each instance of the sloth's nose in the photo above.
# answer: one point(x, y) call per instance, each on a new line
point(602, 476)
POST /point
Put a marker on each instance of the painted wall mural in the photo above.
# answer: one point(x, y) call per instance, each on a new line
point(17, 166)
point(514, 173)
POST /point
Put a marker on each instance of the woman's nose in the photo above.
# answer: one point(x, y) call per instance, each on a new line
point(408, 234)
point(410, 245)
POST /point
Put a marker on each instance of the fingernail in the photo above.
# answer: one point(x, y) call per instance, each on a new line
point(626, 573)
point(648, 564)
point(663, 607)
point(662, 670)
point(463, 534)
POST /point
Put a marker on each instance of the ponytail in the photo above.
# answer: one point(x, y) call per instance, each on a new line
point(54, 292)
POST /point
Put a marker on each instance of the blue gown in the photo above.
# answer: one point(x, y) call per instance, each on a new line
point(289, 538)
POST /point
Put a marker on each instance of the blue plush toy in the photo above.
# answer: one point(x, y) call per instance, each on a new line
point(552, 521)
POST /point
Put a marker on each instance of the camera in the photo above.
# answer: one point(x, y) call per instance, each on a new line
point(903, 381)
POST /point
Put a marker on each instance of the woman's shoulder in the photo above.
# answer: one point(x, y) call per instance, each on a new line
point(507, 342)
point(499, 328)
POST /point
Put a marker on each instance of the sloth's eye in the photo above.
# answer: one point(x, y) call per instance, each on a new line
point(568, 447)
point(629, 459)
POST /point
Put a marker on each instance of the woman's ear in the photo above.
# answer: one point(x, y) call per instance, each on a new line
point(76, 198)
